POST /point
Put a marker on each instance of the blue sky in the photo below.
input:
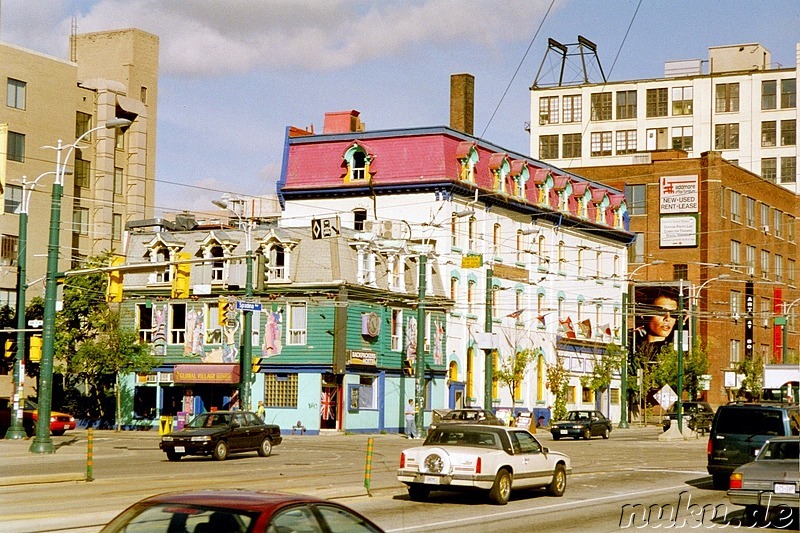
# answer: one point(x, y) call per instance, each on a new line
point(235, 73)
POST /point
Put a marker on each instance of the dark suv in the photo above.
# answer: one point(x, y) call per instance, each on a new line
point(740, 429)
point(696, 415)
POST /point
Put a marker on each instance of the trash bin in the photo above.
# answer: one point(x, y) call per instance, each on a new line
point(165, 425)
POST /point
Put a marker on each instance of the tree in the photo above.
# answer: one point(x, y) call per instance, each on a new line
point(752, 383)
point(512, 370)
point(695, 365)
point(558, 383)
point(605, 367)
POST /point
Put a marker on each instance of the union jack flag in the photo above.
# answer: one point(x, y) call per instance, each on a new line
point(327, 404)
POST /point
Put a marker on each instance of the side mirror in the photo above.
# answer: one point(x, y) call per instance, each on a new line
point(545, 450)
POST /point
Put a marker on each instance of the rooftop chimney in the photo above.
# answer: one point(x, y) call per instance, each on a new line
point(462, 102)
point(342, 122)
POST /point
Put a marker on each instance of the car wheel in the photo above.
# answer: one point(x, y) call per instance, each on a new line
point(221, 451)
point(606, 433)
point(720, 481)
point(418, 492)
point(501, 490)
point(558, 486)
point(58, 433)
point(266, 447)
point(587, 434)
point(172, 456)
point(437, 461)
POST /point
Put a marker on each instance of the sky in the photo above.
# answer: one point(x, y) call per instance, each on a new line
point(235, 73)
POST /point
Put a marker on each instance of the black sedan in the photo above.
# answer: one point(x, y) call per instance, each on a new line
point(220, 433)
point(582, 424)
point(238, 511)
point(468, 416)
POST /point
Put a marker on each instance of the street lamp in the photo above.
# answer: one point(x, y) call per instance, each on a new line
point(785, 328)
point(246, 358)
point(627, 302)
point(42, 442)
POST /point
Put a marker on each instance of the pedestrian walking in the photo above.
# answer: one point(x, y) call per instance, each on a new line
point(411, 428)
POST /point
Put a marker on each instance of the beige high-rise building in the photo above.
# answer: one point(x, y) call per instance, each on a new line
point(110, 74)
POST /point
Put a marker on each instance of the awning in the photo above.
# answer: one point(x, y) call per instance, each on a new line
point(217, 373)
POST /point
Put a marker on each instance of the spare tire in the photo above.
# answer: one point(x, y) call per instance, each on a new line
point(436, 461)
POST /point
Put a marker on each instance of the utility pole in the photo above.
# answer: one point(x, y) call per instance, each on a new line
point(419, 369)
point(679, 318)
point(488, 353)
point(623, 401)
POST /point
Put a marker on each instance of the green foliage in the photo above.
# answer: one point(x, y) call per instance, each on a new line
point(605, 367)
point(558, 384)
point(752, 383)
point(695, 364)
point(512, 369)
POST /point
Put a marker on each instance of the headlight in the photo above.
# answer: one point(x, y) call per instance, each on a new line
point(204, 438)
point(166, 439)
point(577, 427)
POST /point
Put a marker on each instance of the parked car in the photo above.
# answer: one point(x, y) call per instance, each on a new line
point(60, 423)
point(468, 416)
point(472, 456)
point(582, 424)
point(220, 433)
point(771, 482)
point(238, 511)
point(697, 416)
point(740, 429)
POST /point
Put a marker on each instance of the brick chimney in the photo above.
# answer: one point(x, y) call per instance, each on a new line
point(342, 122)
point(462, 102)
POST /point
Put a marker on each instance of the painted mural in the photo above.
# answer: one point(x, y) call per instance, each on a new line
point(159, 329)
point(411, 339)
point(438, 342)
point(194, 340)
point(272, 334)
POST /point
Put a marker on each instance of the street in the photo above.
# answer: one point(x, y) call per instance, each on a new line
point(630, 481)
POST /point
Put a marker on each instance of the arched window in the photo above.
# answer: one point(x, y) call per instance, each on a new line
point(217, 267)
point(359, 217)
point(472, 230)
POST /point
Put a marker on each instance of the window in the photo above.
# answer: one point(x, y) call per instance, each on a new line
point(680, 271)
point(778, 267)
point(769, 169)
point(15, 94)
point(562, 257)
point(570, 145)
point(722, 203)
point(636, 252)
point(727, 97)
point(790, 222)
point(454, 288)
point(580, 274)
point(788, 132)
point(768, 133)
point(13, 197)
point(657, 102)
point(367, 392)
point(454, 231)
point(736, 252)
point(9, 246)
point(548, 110)
point(119, 139)
point(276, 259)
point(626, 104)
point(497, 232)
point(143, 95)
point(790, 271)
point(764, 264)
point(777, 224)
point(161, 255)
point(637, 199)
point(83, 123)
point(548, 146)
point(217, 266)
point(601, 143)
point(750, 211)
point(280, 390)
point(296, 323)
point(16, 147)
point(472, 227)
point(736, 352)
point(626, 142)
point(116, 226)
point(735, 305)
point(788, 93)
point(572, 108)
point(144, 320)
point(366, 267)
point(788, 169)
point(601, 106)
point(177, 323)
point(736, 207)
point(682, 101)
point(471, 297)
point(359, 217)
point(397, 330)
point(359, 165)
point(80, 221)
point(726, 136)
point(683, 138)
point(769, 94)
point(117, 180)
point(765, 215)
point(543, 258)
point(83, 169)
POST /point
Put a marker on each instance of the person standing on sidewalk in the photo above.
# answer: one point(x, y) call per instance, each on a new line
point(411, 429)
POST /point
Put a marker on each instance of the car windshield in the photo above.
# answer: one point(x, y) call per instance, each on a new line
point(167, 517)
point(464, 415)
point(208, 420)
point(578, 415)
point(461, 437)
point(776, 451)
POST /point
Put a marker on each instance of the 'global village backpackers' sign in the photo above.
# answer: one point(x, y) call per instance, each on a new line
point(679, 205)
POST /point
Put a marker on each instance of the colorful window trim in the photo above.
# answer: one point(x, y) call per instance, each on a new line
point(468, 157)
point(358, 161)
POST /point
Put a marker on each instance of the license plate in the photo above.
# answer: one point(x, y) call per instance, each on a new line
point(430, 480)
point(563, 431)
point(180, 449)
point(783, 488)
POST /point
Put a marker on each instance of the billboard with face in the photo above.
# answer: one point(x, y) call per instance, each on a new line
point(656, 319)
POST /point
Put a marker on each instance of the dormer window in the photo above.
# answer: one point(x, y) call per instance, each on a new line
point(217, 267)
point(358, 160)
point(500, 167)
point(467, 155)
point(359, 165)
point(162, 255)
point(162, 249)
point(276, 263)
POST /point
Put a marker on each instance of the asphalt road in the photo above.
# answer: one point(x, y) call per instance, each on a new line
point(620, 483)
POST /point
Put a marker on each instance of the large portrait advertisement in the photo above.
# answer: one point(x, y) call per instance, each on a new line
point(656, 320)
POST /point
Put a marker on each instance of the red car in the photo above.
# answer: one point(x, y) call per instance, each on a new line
point(237, 511)
point(59, 422)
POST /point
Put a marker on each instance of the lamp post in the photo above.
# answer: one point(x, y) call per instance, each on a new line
point(246, 357)
point(627, 303)
point(42, 442)
point(785, 328)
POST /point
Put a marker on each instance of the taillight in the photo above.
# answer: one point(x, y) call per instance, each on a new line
point(736, 481)
point(708, 448)
point(402, 460)
point(478, 466)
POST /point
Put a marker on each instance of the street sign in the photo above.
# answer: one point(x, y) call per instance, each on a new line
point(666, 396)
point(242, 305)
point(322, 228)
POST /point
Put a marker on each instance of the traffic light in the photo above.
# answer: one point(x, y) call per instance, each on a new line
point(408, 369)
point(114, 290)
point(180, 283)
point(256, 367)
point(222, 311)
point(11, 348)
point(35, 352)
